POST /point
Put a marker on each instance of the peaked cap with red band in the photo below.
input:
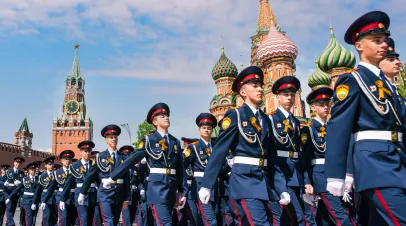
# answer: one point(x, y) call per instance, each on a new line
point(187, 141)
point(288, 82)
point(93, 154)
point(157, 109)
point(320, 94)
point(86, 144)
point(206, 119)
point(67, 154)
point(32, 165)
point(19, 159)
point(375, 22)
point(111, 129)
point(49, 160)
point(249, 74)
point(126, 149)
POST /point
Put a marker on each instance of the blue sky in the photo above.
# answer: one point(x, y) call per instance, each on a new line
point(134, 54)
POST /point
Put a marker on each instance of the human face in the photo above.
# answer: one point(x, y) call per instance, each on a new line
point(322, 109)
point(2, 171)
point(372, 48)
point(66, 162)
point(252, 92)
point(111, 141)
point(205, 131)
point(161, 121)
point(85, 154)
point(49, 166)
point(286, 99)
point(16, 164)
point(31, 172)
point(390, 65)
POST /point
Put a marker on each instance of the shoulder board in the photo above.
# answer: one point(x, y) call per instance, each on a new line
point(271, 113)
point(308, 124)
point(351, 70)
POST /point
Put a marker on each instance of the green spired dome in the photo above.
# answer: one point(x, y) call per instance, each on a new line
point(335, 55)
point(224, 68)
point(319, 79)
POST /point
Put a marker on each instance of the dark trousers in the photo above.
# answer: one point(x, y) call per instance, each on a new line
point(162, 214)
point(333, 210)
point(29, 215)
point(11, 209)
point(2, 211)
point(256, 211)
point(49, 215)
point(294, 211)
point(68, 216)
point(207, 213)
point(110, 213)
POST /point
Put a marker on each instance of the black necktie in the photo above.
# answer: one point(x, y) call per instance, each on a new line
point(87, 166)
point(166, 140)
point(209, 146)
point(113, 155)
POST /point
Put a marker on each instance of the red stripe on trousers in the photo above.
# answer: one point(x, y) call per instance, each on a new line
point(26, 216)
point(202, 212)
point(101, 212)
point(323, 196)
point(80, 220)
point(289, 214)
point(386, 207)
point(273, 217)
point(236, 212)
point(155, 214)
point(352, 221)
point(244, 205)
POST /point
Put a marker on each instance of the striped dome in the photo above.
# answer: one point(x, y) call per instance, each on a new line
point(224, 68)
point(335, 56)
point(319, 79)
point(276, 44)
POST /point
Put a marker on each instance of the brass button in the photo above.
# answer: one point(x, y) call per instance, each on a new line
point(169, 165)
point(169, 158)
point(170, 181)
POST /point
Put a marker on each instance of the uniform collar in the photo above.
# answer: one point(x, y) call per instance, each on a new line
point(285, 113)
point(111, 152)
point(162, 134)
point(254, 111)
point(205, 142)
point(83, 161)
point(374, 69)
point(321, 123)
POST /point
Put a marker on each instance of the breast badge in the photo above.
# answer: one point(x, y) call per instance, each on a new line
point(342, 92)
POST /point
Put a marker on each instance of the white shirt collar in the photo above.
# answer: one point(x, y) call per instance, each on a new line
point(162, 134)
point(64, 169)
point(205, 142)
point(376, 70)
point(83, 161)
point(111, 152)
point(285, 113)
point(322, 123)
point(252, 108)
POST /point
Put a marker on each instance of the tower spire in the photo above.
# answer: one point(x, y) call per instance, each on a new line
point(266, 16)
point(24, 126)
point(75, 66)
point(331, 28)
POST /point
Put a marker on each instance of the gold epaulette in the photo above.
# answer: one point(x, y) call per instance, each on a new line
point(351, 70)
point(271, 113)
point(308, 124)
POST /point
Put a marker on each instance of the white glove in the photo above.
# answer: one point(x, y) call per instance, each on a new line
point(347, 197)
point(335, 186)
point(62, 205)
point(183, 200)
point(204, 195)
point(349, 181)
point(6, 183)
point(17, 182)
point(285, 198)
point(33, 207)
point(143, 161)
point(107, 183)
point(230, 162)
point(142, 192)
point(42, 206)
point(81, 199)
point(7, 200)
point(309, 199)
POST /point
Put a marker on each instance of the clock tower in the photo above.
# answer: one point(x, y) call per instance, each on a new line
point(74, 125)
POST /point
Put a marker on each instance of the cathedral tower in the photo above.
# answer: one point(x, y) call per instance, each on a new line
point(23, 137)
point(74, 125)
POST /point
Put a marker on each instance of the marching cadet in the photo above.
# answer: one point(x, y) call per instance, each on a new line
point(286, 130)
point(365, 106)
point(314, 148)
point(166, 174)
point(28, 186)
point(197, 155)
point(14, 178)
point(47, 199)
point(246, 132)
point(74, 180)
point(113, 198)
point(3, 197)
point(66, 208)
point(128, 214)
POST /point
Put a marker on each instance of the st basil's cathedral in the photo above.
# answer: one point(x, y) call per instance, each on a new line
point(275, 54)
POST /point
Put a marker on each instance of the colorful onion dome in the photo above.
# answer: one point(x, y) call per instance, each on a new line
point(319, 79)
point(224, 68)
point(276, 44)
point(335, 55)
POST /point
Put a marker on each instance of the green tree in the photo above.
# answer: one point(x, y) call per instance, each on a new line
point(402, 81)
point(143, 129)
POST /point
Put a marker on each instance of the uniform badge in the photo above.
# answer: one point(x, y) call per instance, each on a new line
point(244, 124)
point(372, 88)
point(141, 144)
point(287, 125)
point(226, 123)
point(186, 153)
point(342, 91)
point(157, 145)
point(303, 138)
point(208, 151)
point(122, 161)
point(322, 131)
point(200, 152)
point(163, 145)
point(278, 125)
point(103, 160)
point(253, 122)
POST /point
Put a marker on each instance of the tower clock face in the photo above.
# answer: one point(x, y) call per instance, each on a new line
point(72, 107)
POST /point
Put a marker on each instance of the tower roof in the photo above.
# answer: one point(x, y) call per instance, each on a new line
point(75, 73)
point(335, 55)
point(266, 17)
point(224, 67)
point(319, 79)
point(24, 126)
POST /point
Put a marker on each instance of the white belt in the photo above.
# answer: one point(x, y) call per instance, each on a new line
point(134, 187)
point(317, 161)
point(79, 185)
point(1, 189)
point(198, 174)
point(11, 185)
point(288, 154)
point(118, 181)
point(163, 171)
point(28, 193)
point(378, 135)
point(61, 189)
point(250, 161)
point(45, 190)
point(189, 182)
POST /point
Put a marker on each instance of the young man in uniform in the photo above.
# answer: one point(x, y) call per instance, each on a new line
point(365, 106)
point(246, 132)
point(114, 198)
point(167, 173)
point(28, 186)
point(313, 141)
point(14, 178)
point(3, 196)
point(197, 155)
